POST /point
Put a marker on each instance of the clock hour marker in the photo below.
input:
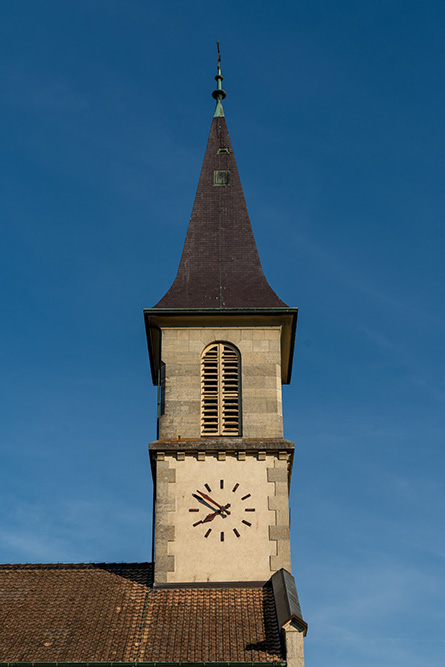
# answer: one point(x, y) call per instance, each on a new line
point(207, 487)
point(208, 532)
point(222, 537)
point(221, 484)
point(236, 532)
point(235, 488)
point(195, 509)
point(245, 497)
point(247, 523)
point(249, 509)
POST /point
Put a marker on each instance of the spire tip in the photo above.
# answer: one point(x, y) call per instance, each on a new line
point(218, 94)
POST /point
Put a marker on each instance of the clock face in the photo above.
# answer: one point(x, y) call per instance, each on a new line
point(222, 512)
point(219, 518)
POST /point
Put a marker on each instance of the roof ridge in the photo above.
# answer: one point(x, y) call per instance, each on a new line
point(80, 565)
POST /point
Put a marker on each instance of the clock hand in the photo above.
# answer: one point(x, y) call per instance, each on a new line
point(202, 501)
point(221, 507)
point(206, 519)
point(210, 517)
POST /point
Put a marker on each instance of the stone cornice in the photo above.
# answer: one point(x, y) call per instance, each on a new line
point(223, 444)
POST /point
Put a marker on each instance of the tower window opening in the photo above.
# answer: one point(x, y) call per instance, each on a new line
point(220, 391)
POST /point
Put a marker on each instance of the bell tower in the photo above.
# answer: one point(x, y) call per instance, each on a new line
point(220, 344)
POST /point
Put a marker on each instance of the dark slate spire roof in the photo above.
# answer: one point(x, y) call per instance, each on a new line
point(220, 266)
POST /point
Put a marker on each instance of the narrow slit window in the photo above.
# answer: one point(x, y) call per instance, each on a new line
point(220, 391)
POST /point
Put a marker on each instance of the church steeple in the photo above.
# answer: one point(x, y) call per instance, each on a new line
point(221, 344)
point(220, 266)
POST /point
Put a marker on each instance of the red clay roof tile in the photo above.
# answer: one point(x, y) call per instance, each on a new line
point(110, 612)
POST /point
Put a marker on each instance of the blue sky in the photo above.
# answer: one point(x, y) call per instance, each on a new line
point(336, 115)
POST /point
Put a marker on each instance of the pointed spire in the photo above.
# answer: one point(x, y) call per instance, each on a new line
point(220, 267)
point(219, 94)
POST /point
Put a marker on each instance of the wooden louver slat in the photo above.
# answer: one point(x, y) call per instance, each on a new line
point(220, 391)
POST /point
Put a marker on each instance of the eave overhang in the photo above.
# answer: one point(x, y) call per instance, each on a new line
point(157, 319)
point(287, 604)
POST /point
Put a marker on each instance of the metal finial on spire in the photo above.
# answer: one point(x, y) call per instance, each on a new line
point(219, 94)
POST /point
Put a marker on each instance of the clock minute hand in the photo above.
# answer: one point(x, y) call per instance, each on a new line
point(202, 501)
point(206, 497)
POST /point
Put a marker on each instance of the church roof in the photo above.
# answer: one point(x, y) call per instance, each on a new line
point(111, 613)
point(220, 266)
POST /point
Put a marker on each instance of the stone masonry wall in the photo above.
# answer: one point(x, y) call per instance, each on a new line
point(259, 347)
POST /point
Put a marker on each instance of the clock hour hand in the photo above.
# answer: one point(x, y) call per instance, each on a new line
point(206, 497)
point(210, 517)
point(206, 519)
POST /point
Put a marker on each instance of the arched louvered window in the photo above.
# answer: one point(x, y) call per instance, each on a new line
point(220, 390)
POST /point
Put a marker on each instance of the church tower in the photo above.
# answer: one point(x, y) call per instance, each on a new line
point(220, 344)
